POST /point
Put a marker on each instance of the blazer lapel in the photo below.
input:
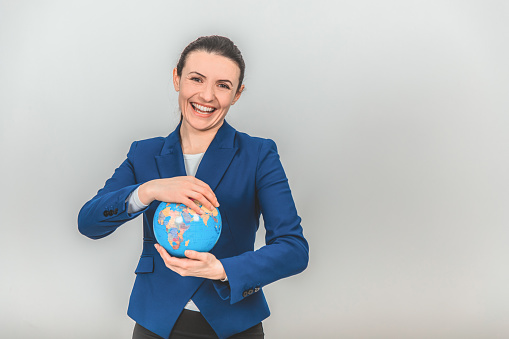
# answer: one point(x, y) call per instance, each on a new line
point(170, 163)
point(215, 161)
point(218, 156)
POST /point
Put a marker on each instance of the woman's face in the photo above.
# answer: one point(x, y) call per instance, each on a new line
point(207, 89)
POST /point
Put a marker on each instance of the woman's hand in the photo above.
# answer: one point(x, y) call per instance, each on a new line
point(197, 264)
point(182, 190)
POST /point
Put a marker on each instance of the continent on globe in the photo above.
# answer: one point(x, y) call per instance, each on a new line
point(176, 224)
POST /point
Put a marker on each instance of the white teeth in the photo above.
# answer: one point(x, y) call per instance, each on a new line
point(203, 108)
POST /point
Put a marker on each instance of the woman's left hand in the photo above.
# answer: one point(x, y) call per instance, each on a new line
point(197, 264)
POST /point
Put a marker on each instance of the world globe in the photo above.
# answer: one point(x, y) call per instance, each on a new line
point(179, 228)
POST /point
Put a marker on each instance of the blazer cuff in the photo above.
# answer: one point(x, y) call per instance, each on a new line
point(118, 210)
point(239, 285)
point(222, 289)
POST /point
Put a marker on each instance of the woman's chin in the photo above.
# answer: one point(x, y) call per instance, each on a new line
point(204, 123)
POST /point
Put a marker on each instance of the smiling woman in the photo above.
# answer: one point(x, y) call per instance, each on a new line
point(217, 294)
point(208, 85)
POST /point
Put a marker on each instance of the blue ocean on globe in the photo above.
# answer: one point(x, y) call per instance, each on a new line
point(179, 228)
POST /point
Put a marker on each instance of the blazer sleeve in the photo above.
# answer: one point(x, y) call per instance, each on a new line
point(286, 251)
point(102, 214)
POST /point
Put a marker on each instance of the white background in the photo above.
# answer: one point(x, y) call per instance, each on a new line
point(391, 120)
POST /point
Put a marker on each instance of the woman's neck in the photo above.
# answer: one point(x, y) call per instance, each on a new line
point(195, 141)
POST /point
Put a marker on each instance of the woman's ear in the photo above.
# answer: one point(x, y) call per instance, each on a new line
point(176, 80)
point(237, 95)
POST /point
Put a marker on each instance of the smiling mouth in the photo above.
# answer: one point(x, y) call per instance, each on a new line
point(202, 109)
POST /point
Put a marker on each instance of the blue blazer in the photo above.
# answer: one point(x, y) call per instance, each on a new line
point(248, 179)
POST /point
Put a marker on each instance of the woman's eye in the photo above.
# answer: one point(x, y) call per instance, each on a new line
point(224, 86)
point(195, 79)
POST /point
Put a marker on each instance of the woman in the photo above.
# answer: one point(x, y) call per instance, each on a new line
point(216, 294)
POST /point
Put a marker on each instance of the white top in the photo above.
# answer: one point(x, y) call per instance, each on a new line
point(191, 162)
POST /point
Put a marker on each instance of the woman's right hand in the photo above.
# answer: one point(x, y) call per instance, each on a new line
point(182, 190)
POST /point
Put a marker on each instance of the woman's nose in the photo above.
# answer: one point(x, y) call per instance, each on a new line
point(208, 93)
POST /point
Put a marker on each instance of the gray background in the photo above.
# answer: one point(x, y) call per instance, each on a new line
point(391, 120)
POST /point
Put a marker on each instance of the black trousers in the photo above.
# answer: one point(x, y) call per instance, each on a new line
point(191, 324)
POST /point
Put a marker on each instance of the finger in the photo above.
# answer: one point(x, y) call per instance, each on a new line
point(184, 266)
point(173, 263)
point(202, 199)
point(197, 181)
point(209, 195)
point(192, 205)
point(168, 259)
point(162, 252)
point(195, 255)
point(206, 191)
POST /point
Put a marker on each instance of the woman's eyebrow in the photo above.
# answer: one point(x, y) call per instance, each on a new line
point(225, 80)
point(197, 73)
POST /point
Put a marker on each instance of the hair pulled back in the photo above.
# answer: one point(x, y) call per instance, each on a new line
point(215, 44)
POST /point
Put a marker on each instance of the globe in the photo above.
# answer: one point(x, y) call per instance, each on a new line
point(179, 228)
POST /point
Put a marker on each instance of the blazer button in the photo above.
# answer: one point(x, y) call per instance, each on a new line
point(115, 211)
point(250, 291)
point(110, 212)
point(105, 213)
point(257, 289)
point(244, 294)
